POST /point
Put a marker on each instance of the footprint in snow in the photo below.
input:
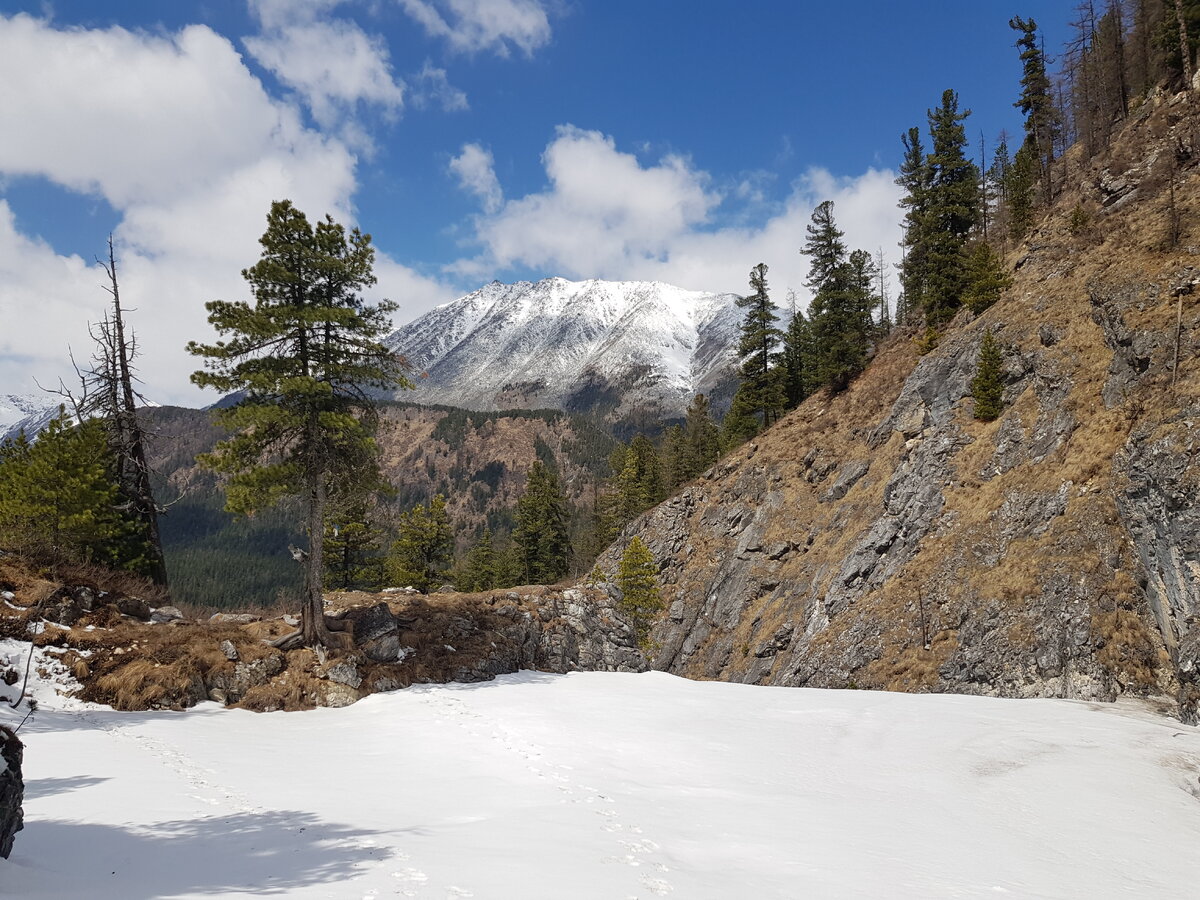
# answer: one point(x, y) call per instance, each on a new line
point(659, 886)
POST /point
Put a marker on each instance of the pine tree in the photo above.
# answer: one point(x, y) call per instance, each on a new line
point(702, 439)
point(916, 177)
point(986, 278)
point(541, 536)
point(673, 462)
point(758, 350)
point(987, 387)
point(952, 211)
point(424, 548)
point(1020, 181)
point(479, 571)
point(799, 364)
point(840, 312)
point(354, 550)
point(1036, 102)
point(740, 423)
point(640, 484)
point(60, 501)
point(305, 356)
point(638, 581)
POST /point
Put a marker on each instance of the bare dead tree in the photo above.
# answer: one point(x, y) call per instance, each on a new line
point(106, 391)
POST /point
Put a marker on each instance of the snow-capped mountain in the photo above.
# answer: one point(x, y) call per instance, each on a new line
point(28, 412)
point(620, 347)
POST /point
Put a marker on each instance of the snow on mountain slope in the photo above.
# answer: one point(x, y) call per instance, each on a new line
point(617, 346)
point(607, 785)
point(30, 412)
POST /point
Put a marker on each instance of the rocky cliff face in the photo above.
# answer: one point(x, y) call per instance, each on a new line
point(883, 538)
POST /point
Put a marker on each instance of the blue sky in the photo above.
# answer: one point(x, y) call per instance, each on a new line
point(475, 139)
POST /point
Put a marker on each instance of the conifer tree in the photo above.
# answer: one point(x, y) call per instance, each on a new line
point(638, 581)
point(840, 312)
point(305, 357)
point(1036, 102)
point(740, 423)
point(1020, 182)
point(354, 549)
point(541, 537)
point(640, 484)
point(986, 278)
point(60, 501)
point(479, 571)
point(674, 458)
point(758, 351)
point(952, 211)
point(799, 375)
point(987, 387)
point(702, 440)
point(916, 179)
point(424, 547)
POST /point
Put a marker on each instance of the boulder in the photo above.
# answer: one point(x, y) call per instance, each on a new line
point(235, 619)
point(166, 615)
point(376, 632)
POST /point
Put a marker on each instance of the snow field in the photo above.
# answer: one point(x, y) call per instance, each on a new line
point(598, 785)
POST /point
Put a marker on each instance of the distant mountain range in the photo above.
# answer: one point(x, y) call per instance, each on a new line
point(624, 349)
point(26, 412)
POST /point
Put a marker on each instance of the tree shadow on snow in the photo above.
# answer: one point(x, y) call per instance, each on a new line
point(247, 853)
point(36, 788)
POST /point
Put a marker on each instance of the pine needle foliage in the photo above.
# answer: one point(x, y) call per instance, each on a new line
point(987, 387)
point(305, 358)
point(638, 581)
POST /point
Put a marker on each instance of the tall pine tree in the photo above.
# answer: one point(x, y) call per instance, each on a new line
point(758, 350)
point(305, 357)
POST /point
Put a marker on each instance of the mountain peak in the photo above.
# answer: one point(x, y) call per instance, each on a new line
point(615, 346)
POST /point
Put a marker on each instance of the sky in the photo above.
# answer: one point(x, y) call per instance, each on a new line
point(473, 139)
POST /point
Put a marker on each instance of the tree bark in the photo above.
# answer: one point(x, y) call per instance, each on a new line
point(131, 438)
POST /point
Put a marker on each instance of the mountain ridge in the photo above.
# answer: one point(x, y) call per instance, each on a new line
point(623, 348)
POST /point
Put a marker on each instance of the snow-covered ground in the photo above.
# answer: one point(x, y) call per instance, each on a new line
point(612, 786)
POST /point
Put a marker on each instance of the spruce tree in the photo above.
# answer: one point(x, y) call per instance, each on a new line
point(799, 378)
point(353, 549)
point(305, 358)
point(840, 312)
point(60, 500)
point(479, 570)
point(916, 179)
point(424, 547)
point(702, 439)
point(640, 484)
point(674, 458)
point(638, 581)
point(1036, 102)
point(740, 423)
point(758, 350)
point(986, 278)
point(952, 211)
point(987, 387)
point(541, 537)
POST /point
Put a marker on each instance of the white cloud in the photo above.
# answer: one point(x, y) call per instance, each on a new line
point(332, 64)
point(185, 144)
point(474, 25)
point(475, 169)
point(430, 86)
point(605, 215)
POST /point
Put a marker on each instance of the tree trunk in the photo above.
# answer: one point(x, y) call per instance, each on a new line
point(131, 445)
point(1185, 50)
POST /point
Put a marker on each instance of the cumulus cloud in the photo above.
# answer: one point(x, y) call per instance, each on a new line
point(604, 214)
point(184, 143)
point(474, 25)
point(332, 64)
point(475, 169)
